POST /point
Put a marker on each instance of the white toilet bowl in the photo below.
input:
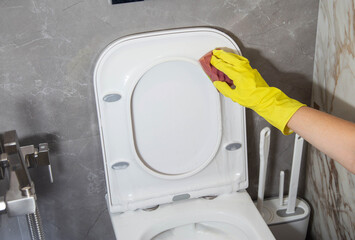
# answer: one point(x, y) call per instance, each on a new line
point(169, 139)
point(230, 216)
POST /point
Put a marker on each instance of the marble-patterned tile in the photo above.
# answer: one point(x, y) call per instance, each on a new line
point(330, 187)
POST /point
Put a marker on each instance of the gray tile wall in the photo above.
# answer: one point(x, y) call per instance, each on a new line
point(47, 54)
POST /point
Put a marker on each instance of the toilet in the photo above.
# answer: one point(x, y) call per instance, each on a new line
point(174, 149)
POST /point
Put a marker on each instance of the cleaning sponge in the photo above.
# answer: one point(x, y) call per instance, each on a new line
point(213, 73)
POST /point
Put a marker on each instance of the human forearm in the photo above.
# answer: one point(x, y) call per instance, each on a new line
point(331, 135)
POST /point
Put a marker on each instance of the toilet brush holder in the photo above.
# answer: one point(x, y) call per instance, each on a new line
point(286, 226)
point(287, 217)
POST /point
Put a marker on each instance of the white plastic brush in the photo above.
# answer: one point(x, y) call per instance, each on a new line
point(264, 154)
point(295, 174)
point(281, 188)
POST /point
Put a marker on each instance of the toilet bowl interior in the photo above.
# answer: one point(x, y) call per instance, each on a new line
point(203, 231)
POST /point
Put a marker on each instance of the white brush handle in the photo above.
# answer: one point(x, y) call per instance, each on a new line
point(295, 174)
point(264, 154)
point(281, 188)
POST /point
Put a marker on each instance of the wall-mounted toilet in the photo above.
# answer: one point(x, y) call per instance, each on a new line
point(174, 149)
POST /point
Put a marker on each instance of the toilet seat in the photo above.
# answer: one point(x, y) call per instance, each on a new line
point(210, 160)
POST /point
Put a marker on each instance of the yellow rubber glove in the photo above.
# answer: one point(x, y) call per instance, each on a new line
point(252, 91)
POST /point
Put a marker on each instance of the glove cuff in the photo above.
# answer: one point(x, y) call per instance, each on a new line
point(278, 110)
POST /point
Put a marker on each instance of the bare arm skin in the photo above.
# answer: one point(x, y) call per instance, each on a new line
point(333, 136)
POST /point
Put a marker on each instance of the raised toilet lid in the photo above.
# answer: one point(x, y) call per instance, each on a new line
point(176, 119)
point(166, 133)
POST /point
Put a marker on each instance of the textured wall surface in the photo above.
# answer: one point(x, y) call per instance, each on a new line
point(330, 188)
point(47, 53)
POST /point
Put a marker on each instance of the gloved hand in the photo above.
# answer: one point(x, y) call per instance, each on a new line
point(252, 91)
point(212, 72)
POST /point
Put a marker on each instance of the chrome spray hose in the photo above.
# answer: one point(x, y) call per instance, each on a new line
point(20, 199)
point(35, 225)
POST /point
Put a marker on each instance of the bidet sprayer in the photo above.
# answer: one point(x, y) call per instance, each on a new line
point(20, 199)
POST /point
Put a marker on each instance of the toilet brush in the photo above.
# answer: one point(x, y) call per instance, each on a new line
point(287, 217)
point(281, 188)
point(264, 154)
point(295, 173)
